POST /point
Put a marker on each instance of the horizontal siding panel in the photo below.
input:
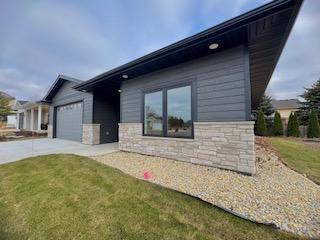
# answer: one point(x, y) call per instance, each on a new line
point(223, 100)
point(133, 104)
point(219, 80)
point(228, 76)
point(67, 94)
point(221, 70)
point(130, 119)
point(130, 111)
point(218, 87)
point(223, 93)
point(131, 98)
point(226, 115)
point(221, 108)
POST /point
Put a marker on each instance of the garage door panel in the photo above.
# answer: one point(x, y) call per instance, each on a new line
point(69, 122)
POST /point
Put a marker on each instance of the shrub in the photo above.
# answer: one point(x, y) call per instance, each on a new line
point(261, 129)
point(296, 125)
point(277, 129)
point(293, 126)
point(289, 126)
point(313, 128)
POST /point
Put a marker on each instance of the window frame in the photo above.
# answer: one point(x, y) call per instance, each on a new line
point(165, 108)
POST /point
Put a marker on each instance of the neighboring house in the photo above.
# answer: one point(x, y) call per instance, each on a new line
point(285, 108)
point(7, 121)
point(12, 117)
point(6, 95)
point(153, 124)
point(207, 84)
point(32, 116)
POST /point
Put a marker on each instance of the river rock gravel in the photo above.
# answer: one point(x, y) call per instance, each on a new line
point(275, 195)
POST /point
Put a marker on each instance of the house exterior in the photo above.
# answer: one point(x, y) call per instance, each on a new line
point(285, 108)
point(32, 116)
point(190, 101)
point(8, 121)
point(12, 117)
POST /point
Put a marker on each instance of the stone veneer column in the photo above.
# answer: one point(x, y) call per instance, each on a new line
point(228, 145)
point(91, 133)
point(50, 131)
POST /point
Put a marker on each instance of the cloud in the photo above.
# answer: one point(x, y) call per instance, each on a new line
point(42, 39)
point(52, 39)
point(15, 83)
point(299, 65)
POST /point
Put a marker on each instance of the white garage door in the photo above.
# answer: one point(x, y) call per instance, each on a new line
point(69, 122)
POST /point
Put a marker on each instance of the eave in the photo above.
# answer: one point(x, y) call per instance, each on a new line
point(264, 30)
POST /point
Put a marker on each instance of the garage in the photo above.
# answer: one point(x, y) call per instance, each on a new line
point(69, 121)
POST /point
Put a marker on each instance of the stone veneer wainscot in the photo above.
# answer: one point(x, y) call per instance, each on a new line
point(50, 131)
point(91, 134)
point(228, 145)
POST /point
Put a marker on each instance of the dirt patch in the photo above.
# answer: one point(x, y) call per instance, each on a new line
point(14, 135)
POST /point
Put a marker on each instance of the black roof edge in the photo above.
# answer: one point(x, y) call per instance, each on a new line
point(286, 35)
point(241, 19)
point(52, 88)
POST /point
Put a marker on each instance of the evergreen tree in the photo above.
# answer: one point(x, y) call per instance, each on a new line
point(296, 132)
point(296, 125)
point(311, 102)
point(293, 126)
point(266, 107)
point(289, 126)
point(261, 129)
point(277, 125)
point(313, 128)
point(4, 107)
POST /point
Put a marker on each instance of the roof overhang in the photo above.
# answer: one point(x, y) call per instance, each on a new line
point(264, 30)
point(56, 86)
point(30, 105)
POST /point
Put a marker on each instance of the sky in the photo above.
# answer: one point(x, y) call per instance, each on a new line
point(41, 39)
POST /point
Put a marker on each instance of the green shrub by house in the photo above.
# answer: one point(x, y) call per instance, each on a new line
point(296, 125)
point(293, 126)
point(313, 128)
point(277, 129)
point(289, 126)
point(261, 128)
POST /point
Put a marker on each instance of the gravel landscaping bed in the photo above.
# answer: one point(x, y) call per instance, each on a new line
point(275, 195)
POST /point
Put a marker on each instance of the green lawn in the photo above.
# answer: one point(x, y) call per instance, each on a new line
point(73, 197)
point(298, 156)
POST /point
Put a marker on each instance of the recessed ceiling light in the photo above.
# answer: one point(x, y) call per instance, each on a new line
point(119, 90)
point(125, 76)
point(213, 46)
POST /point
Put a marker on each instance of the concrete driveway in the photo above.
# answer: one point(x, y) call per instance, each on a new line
point(16, 150)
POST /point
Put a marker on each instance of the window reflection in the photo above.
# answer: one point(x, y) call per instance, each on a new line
point(153, 114)
point(179, 112)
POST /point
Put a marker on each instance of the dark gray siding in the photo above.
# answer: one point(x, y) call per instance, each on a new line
point(107, 114)
point(66, 95)
point(221, 82)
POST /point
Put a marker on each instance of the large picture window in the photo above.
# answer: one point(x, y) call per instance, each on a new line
point(153, 120)
point(168, 113)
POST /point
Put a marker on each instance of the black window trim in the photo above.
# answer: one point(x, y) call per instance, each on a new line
point(164, 90)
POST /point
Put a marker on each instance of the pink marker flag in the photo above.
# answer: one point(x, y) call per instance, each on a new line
point(146, 175)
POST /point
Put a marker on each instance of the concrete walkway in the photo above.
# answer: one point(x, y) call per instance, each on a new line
point(16, 150)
